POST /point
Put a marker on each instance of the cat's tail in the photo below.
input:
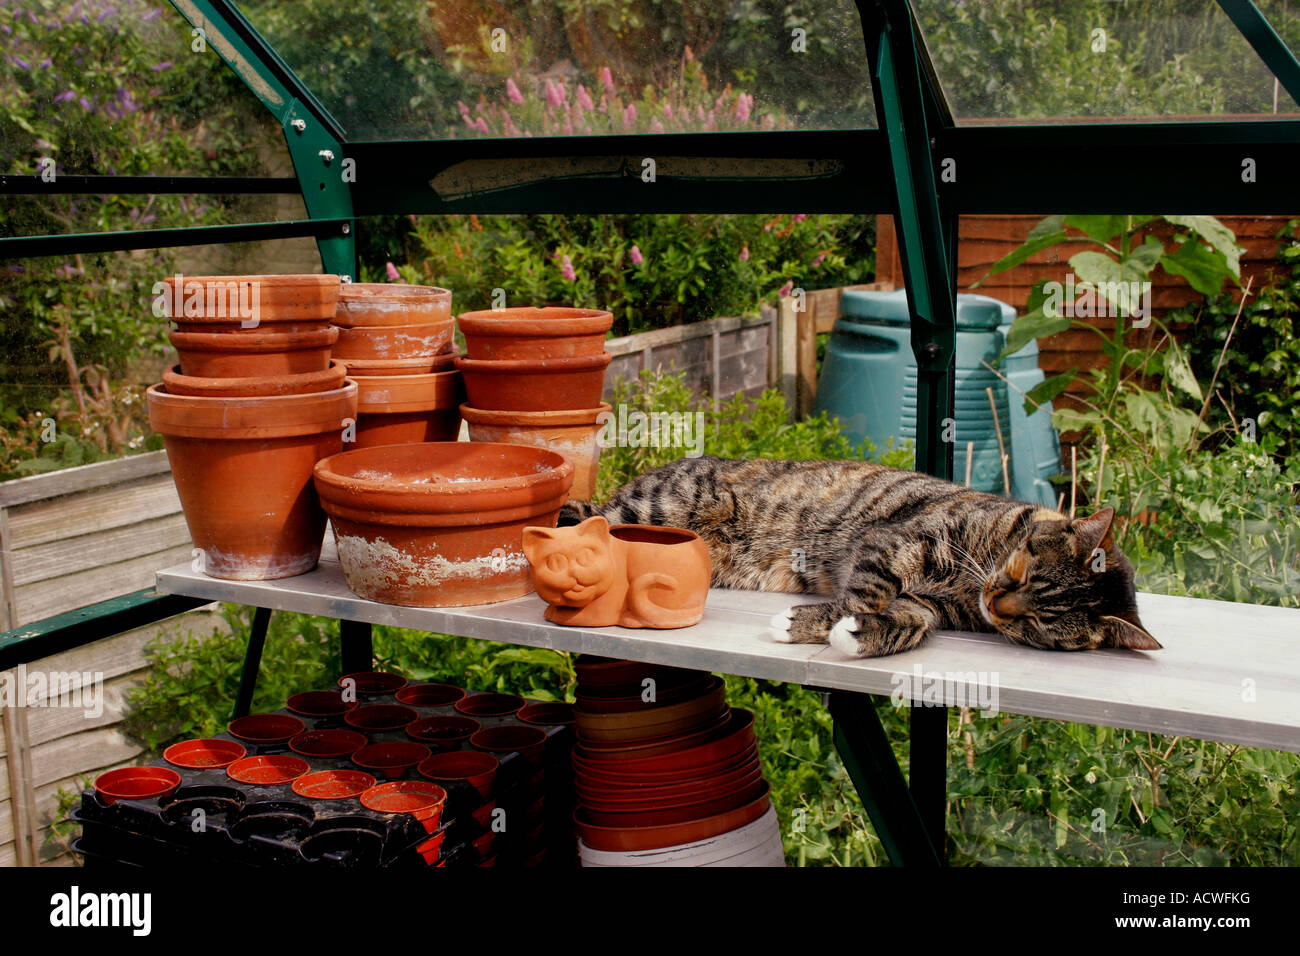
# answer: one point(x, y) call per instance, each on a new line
point(644, 611)
point(576, 512)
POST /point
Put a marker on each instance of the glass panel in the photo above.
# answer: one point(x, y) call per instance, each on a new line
point(1123, 61)
point(443, 69)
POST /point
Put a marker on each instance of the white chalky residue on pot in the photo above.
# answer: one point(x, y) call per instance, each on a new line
point(373, 565)
point(372, 474)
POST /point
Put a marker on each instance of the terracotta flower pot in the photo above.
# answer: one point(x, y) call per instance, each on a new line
point(238, 303)
point(255, 355)
point(535, 385)
point(265, 729)
point(375, 718)
point(319, 704)
point(328, 743)
point(390, 759)
point(204, 753)
point(407, 409)
point(438, 524)
point(421, 799)
point(473, 767)
point(527, 333)
point(429, 695)
point(421, 365)
point(333, 784)
point(442, 733)
point(638, 576)
point(268, 771)
point(243, 470)
point(365, 304)
point(575, 434)
point(136, 783)
point(387, 342)
point(490, 705)
point(307, 382)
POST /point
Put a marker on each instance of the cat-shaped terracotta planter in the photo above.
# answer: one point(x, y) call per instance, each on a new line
point(632, 575)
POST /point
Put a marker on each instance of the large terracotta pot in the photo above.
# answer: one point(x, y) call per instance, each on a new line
point(243, 470)
point(256, 354)
point(404, 409)
point(439, 524)
point(379, 303)
point(244, 303)
point(179, 384)
point(535, 386)
point(575, 434)
point(531, 334)
point(380, 342)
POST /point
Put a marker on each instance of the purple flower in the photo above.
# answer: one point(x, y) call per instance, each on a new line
point(636, 256)
point(553, 96)
point(85, 103)
point(567, 270)
point(152, 14)
point(584, 98)
point(103, 15)
point(393, 274)
point(159, 67)
point(743, 104)
point(19, 62)
point(65, 96)
point(607, 79)
point(512, 92)
point(744, 253)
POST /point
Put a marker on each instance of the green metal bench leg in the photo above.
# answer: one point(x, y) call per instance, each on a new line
point(356, 647)
point(252, 661)
point(871, 764)
point(928, 771)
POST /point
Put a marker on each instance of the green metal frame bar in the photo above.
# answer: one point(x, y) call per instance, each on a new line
point(29, 185)
point(23, 246)
point(1259, 33)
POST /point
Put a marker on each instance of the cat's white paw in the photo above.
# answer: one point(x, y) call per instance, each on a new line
point(779, 627)
point(844, 636)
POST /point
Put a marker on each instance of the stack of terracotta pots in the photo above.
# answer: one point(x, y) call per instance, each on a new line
point(666, 773)
point(254, 403)
point(535, 377)
point(396, 341)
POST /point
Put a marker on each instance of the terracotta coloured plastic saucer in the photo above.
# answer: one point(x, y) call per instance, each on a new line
point(320, 704)
point(671, 834)
point(268, 770)
point(445, 733)
point(265, 729)
point(390, 759)
point(136, 783)
point(328, 743)
point(546, 714)
point(204, 753)
point(380, 717)
point(420, 798)
point(490, 705)
point(429, 695)
point(333, 784)
point(474, 767)
point(529, 742)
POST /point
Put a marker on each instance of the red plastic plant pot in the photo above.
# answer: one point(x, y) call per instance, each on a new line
point(333, 784)
point(269, 770)
point(658, 720)
point(473, 767)
point(443, 733)
point(204, 753)
point(546, 715)
point(596, 777)
point(596, 701)
point(612, 800)
point(490, 705)
point(483, 844)
point(482, 814)
point(420, 798)
point(376, 718)
point(636, 748)
point(373, 683)
point(429, 695)
point(136, 783)
point(672, 834)
point(612, 677)
point(320, 704)
point(431, 849)
point(683, 812)
point(529, 742)
point(328, 743)
point(265, 729)
point(733, 736)
point(390, 759)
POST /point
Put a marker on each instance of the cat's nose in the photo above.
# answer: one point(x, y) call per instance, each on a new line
point(1009, 604)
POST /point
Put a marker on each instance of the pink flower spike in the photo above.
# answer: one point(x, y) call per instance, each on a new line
point(636, 256)
point(629, 115)
point(553, 96)
point(786, 289)
point(743, 104)
point(607, 79)
point(668, 111)
point(567, 270)
point(482, 125)
point(584, 98)
point(393, 274)
point(800, 217)
point(821, 257)
point(744, 253)
point(464, 110)
point(656, 126)
point(512, 92)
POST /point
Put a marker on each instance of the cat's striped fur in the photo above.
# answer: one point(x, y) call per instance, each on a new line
point(898, 553)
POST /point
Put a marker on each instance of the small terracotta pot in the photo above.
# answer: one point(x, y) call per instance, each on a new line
point(268, 771)
point(526, 333)
point(473, 767)
point(438, 524)
point(243, 470)
point(390, 759)
point(204, 753)
point(528, 742)
point(271, 299)
point(265, 730)
point(656, 836)
point(319, 704)
point(535, 386)
point(373, 683)
point(490, 705)
point(421, 799)
point(376, 718)
point(327, 743)
point(442, 733)
point(429, 695)
point(406, 409)
point(178, 384)
point(546, 714)
point(136, 783)
point(575, 434)
point(378, 303)
point(254, 355)
point(333, 784)
point(386, 342)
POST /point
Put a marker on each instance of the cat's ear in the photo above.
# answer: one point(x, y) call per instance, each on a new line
point(1093, 532)
point(596, 526)
point(535, 537)
point(1125, 630)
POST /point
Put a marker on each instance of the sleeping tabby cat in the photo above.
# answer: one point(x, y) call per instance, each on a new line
point(897, 553)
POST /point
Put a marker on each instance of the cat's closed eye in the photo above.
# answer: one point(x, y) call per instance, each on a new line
point(585, 557)
point(556, 562)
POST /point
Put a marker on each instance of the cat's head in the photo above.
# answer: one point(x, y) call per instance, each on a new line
point(571, 566)
point(1066, 587)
